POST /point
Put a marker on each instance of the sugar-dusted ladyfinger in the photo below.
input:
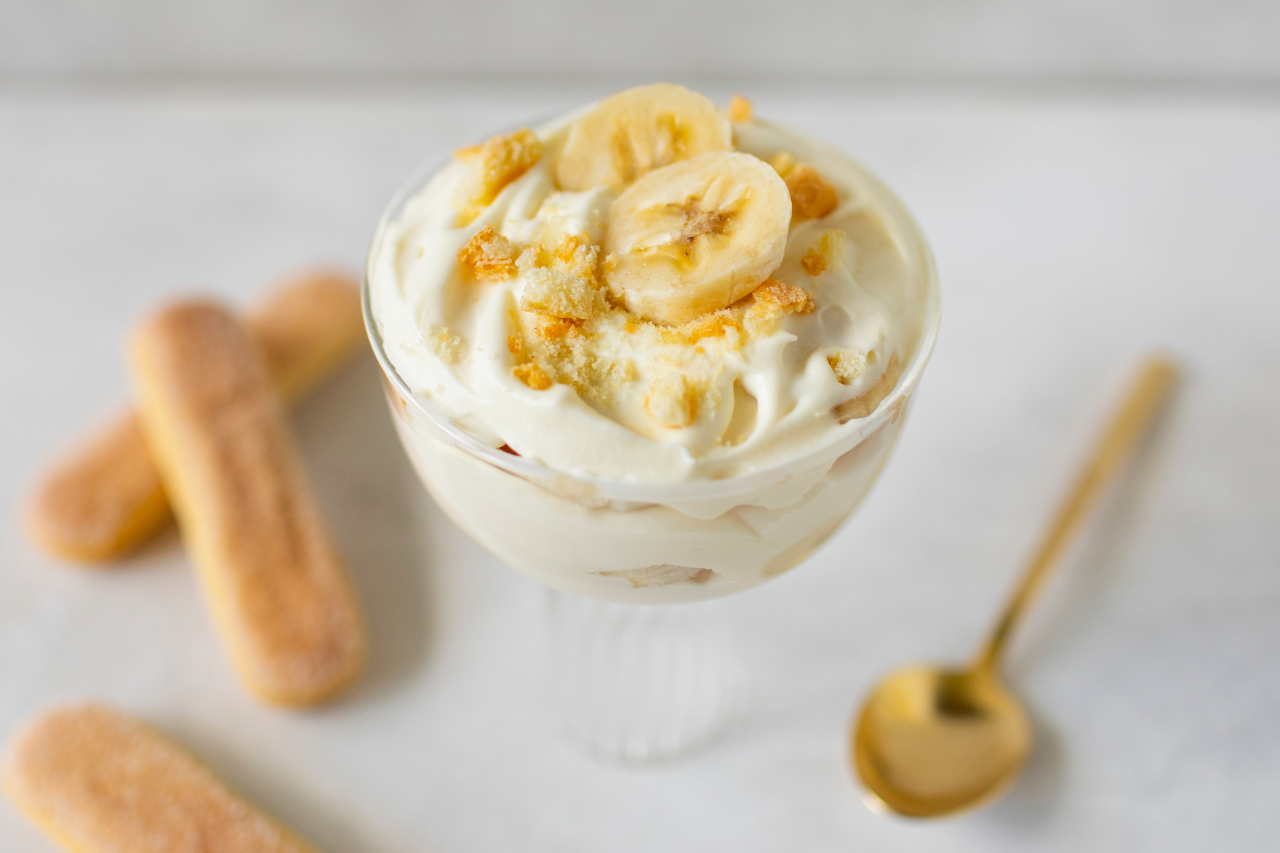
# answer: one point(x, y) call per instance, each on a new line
point(276, 585)
point(97, 781)
point(106, 497)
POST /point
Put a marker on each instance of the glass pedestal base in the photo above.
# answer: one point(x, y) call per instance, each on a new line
point(638, 682)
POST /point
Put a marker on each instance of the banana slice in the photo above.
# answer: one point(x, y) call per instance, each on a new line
point(696, 236)
point(635, 131)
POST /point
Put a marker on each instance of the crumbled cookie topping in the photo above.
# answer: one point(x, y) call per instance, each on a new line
point(498, 162)
point(488, 255)
point(740, 109)
point(716, 324)
point(769, 302)
point(847, 365)
point(447, 346)
point(555, 328)
point(812, 196)
point(813, 262)
point(827, 251)
point(561, 283)
point(532, 375)
point(784, 298)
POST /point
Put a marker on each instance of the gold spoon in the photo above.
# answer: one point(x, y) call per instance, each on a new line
point(932, 741)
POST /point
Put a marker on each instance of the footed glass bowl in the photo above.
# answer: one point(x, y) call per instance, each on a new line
point(633, 681)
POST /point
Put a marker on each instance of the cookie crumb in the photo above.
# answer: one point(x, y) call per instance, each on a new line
point(561, 282)
point(555, 328)
point(813, 263)
point(488, 255)
point(498, 162)
point(740, 109)
point(847, 365)
point(447, 346)
point(827, 251)
point(786, 298)
point(532, 375)
point(812, 196)
point(769, 302)
point(713, 325)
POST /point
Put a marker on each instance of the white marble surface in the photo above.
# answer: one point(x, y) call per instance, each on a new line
point(1070, 234)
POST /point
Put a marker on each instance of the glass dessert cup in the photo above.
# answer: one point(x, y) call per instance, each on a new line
point(634, 681)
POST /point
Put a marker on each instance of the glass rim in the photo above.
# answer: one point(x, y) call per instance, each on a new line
point(645, 490)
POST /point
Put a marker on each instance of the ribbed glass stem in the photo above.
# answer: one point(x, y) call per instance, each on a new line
point(635, 682)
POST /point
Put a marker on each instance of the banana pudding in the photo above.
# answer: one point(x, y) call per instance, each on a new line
point(652, 350)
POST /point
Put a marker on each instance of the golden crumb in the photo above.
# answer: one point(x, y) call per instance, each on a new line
point(812, 196)
point(514, 344)
point(847, 365)
point(629, 325)
point(739, 109)
point(769, 302)
point(498, 162)
point(567, 251)
point(555, 328)
point(826, 252)
point(786, 298)
point(672, 401)
point(561, 283)
point(467, 153)
point(564, 349)
point(506, 157)
point(532, 375)
point(578, 254)
point(782, 163)
point(447, 346)
point(813, 263)
point(488, 255)
point(713, 325)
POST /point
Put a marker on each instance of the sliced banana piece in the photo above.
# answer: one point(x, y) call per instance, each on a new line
point(635, 131)
point(696, 236)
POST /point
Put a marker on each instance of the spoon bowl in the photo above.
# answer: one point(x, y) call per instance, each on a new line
point(932, 741)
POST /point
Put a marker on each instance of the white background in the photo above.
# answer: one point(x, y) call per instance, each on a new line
point(1096, 179)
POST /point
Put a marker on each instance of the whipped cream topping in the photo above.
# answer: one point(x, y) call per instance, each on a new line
point(757, 389)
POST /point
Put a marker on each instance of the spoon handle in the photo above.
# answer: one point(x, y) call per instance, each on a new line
point(1144, 401)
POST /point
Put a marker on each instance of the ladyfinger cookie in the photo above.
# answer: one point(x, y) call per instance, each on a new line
point(106, 498)
point(274, 580)
point(97, 781)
